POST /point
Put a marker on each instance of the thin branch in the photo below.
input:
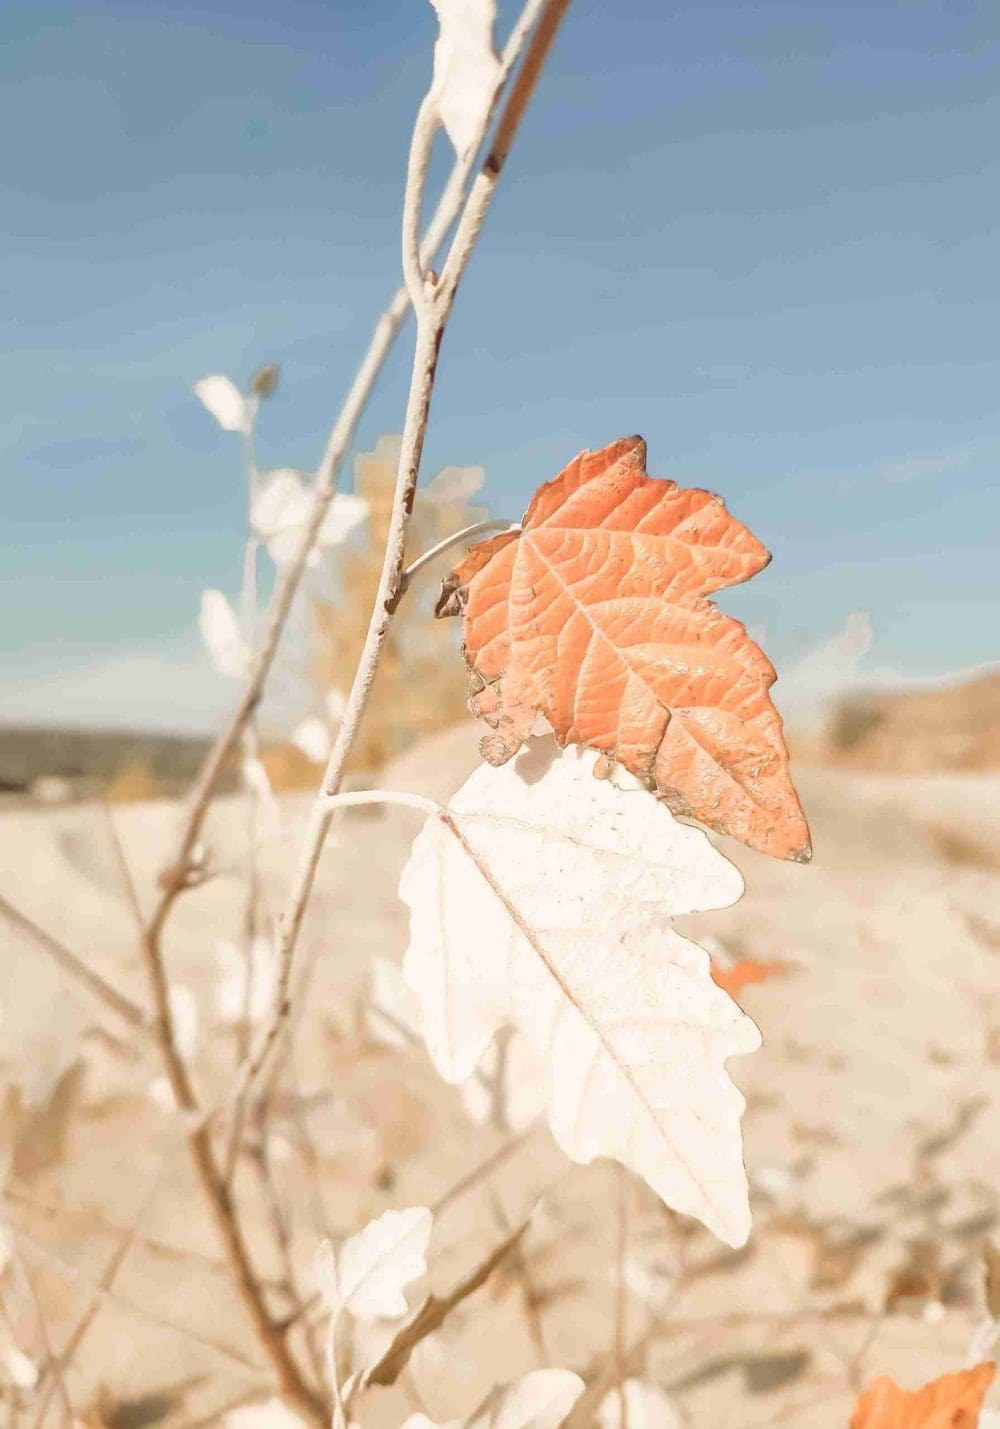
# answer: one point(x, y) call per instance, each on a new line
point(74, 968)
point(479, 528)
point(79, 1332)
point(119, 1302)
point(383, 336)
point(432, 320)
point(218, 1193)
point(52, 1365)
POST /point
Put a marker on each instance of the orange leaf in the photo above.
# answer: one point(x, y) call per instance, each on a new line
point(593, 614)
point(741, 974)
point(951, 1402)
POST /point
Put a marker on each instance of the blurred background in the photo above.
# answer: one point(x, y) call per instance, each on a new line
point(764, 236)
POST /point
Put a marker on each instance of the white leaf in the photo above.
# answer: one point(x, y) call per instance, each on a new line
point(540, 1400)
point(312, 737)
point(279, 501)
point(336, 704)
point(221, 633)
point(566, 936)
point(367, 1273)
point(280, 510)
point(22, 1372)
point(224, 401)
point(347, 514)
point(646, 1407)
point(454, 483)
point(466, 71)
point(255, 777)
point(537, 1401)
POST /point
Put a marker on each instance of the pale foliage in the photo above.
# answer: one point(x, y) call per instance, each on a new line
point(537, 1401)
point(367, 1273)
point(466, 70)
point(647, 1406)
point(225, 402)
point(280, 510)
point(554, 918)
point(223, 638)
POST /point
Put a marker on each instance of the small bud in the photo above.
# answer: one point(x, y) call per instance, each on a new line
point(265, 379)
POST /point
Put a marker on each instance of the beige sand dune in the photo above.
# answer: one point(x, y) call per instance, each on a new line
point(871, 1133)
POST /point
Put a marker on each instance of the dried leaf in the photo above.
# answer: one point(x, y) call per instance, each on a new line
point(221, 633)
point(265, 379)
point(743, 973)
point(542, 901)
point(466, 71)
point(368, 1272)
point(594, 616)
point(225, 402)
point(647, 1406)
point(951, 1402)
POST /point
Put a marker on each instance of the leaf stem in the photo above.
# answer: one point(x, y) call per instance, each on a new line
point(458, 538)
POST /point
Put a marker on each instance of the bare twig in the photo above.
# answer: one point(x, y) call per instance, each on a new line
point(119, 1302)
point(432, 309)
point(383, 336)
point(51, 1363)
point(432, 319)
point(79, 1332)
point(74, 968)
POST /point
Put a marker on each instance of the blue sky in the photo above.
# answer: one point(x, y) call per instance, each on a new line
point(763, 235)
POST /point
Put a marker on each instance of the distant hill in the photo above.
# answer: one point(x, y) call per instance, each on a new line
point(920, 730)
point(88, 760)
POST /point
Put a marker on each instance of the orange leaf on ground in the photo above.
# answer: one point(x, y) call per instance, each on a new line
point(741, 974)
point(593, 615)
point(951, 1402)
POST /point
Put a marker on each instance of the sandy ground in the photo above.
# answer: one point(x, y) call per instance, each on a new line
point(871, 1131)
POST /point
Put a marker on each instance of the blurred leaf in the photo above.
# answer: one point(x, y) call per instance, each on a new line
point(951, 1402)
point(466, 71)
point(221, 633)
point(225, 402)
point(367, 1273)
